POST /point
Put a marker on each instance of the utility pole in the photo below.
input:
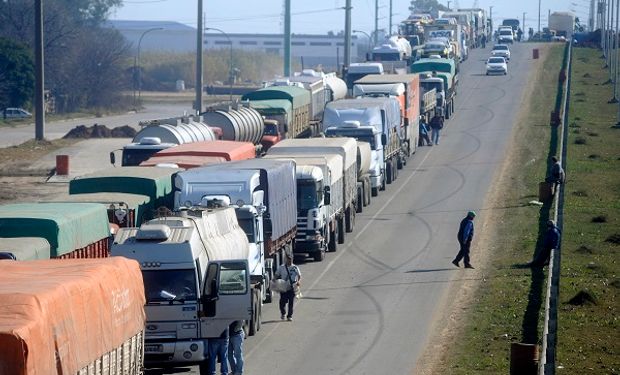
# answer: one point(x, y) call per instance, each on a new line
point(39, 130)
point(491, 19)
point(347, 36)
point(287, 38)
point(615, 52)
point(199, 44)
point(539, 35)
point(376, 39)
point(390, 17)
point(523, 23)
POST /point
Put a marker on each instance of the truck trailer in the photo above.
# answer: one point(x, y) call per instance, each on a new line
point(78, 316)
point(196, 281)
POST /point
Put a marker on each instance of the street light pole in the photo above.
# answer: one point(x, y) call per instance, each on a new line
point(367, 36)
point(523, 24)
point(231, 58)
point(449, 4)
point(139, 70)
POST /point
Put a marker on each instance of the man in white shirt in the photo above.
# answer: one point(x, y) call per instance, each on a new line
point(290, 273)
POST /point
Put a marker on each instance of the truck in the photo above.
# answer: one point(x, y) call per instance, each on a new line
point(236, 122)
point(359, 70)
point(336, 87)
point(453, 33)
point(196, 281)
point(73, 230)
point(563, 23)
point(479, 23)
point(346, 148)
point(24, 248)
point(464, 20)
point(79, 316)
point(312, 81)
point(297, 121)
point(409, 103)
point(434, 70)
point(124, 209)
point(395, 54)
point(263, 194)
point(413, 30)
point(376, 121)
point(195, 154)
point(160, 134)
point(364, 156)
point(320, 202)
point(154, 182)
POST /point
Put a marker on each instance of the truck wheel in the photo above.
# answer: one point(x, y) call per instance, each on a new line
point(383, 180)
point(447, 111)
point(400, 162)
point(374, 191)
point(341, 230)
point(259, 317)
point(319, 255)
point(389, 172)
point(359, 204)
point(367, 191)
point(252, 323)
point(203, 367)
point(395, 163)
point(332, 245)
point(350, 220)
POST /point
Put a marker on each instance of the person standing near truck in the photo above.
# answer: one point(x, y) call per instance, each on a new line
point(288, 272)
point(235, 347)
point(484, 40)
point(436, 126)
point(423, 136)
point(218, 347)
point(465, 236)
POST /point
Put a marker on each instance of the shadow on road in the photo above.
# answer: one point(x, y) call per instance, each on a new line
point(161, 371)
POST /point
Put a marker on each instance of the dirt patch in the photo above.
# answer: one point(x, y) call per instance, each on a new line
point(19, 157)
point(100, 131)
point(459, 299)
point(582, 298)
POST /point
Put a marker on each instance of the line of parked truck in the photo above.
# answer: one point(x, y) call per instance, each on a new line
point(206, 208)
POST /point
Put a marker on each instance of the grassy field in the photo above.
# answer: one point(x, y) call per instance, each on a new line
point(589, 338)
point(508, 306)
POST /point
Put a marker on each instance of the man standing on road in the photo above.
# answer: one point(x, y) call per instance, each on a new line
point(436, 126)
point(550, 242)
point(423, 136)
point(290, 273)
point(218, 348)
point(235, 347)
point(465, 236)
point(484, 41)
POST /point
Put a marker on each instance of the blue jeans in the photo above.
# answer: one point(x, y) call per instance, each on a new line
point(435, 135)
point(235, 352)
point(218, 348)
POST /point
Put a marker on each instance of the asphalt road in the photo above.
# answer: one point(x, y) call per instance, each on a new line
point(57, 129)
point(368, 308)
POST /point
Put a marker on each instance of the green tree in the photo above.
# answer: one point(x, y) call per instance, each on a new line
point(17, 81)
point(426, 6)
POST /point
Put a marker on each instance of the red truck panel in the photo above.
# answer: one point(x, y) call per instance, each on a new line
point(229, 150)
point(99, 249)
point(183, 161)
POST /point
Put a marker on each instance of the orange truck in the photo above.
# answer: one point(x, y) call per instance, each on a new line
point(405, 88)
point(71, 316)
point(196, 154)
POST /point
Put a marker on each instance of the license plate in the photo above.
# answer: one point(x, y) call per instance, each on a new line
point(153, 348)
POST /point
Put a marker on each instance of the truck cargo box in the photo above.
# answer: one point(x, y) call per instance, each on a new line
point(229, 150)
point(71, 316)
point(182, 161)
point(154, 182)
point(124, 209)
point(24, 248)
point(73, 230)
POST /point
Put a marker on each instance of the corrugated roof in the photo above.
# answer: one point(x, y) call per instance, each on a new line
point(145, 25)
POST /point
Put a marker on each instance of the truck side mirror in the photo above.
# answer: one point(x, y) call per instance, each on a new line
point(112, 158)
point(268, 227)
point(327, 196)
point(383, 139)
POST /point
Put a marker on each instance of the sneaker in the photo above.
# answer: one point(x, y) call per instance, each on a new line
point(469, 266)
point(290, 318)
point(282, 316)
point(455, 263)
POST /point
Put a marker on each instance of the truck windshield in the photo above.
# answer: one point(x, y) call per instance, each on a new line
point(428, 86)
point(270, 129)
point(135, 156)
point(247, 224)
point(170, 285)
point(308, 194)
point(386, 56)
point(353, 133)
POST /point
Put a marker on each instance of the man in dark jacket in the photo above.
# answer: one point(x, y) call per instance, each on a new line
point(465, 236)
point(550, 242)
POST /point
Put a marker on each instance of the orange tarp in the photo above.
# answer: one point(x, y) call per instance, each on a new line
point(57, 316)
point(230, 150)
point(183, 161)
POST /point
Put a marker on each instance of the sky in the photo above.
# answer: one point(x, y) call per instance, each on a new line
point(321, 16)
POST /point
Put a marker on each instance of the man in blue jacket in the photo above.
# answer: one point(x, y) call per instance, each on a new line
point(465, 236)
point(551, 241)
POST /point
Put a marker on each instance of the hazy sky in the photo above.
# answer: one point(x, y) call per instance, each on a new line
point(321, 16)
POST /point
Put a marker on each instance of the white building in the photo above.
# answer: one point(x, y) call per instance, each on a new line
point(166, 36)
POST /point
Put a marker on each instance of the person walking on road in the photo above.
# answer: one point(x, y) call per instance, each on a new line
point(484, 41)
point(424, 134)
point(436, 126)
point(551, 241)
point(290, 273)
point(235, 347)
point(218, 347)
point(465, 236)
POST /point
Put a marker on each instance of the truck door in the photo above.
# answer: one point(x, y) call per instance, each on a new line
point(227, 291)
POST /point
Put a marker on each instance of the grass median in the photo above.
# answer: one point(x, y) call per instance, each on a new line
point(508, 304)
point(588, 340)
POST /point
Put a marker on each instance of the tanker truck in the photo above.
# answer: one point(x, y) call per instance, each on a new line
point(83, 316)
point(263, 194)
point(196, 281)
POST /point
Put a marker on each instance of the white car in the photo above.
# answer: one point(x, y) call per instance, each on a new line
point(497, 65)
point(11, 113)
point(501, 50)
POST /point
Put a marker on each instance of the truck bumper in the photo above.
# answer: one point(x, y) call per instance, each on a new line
point(178, 352)
point(307, 247)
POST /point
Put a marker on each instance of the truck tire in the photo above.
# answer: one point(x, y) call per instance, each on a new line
point(254, 316)
point(374, 191)
point(332, 245)
point(203, 367)
point(269, 267)
point(390, 176)
point(350, 220)
point(319, 255)
point(341, 230)
point(400, 162)
point(359, 203)
point(382, 188)
point(367, 191)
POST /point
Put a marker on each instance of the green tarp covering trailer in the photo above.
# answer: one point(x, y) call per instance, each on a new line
point(73, 230)
point(437, 65)
point(124, 209)
point(24, 248)
point(154, 182)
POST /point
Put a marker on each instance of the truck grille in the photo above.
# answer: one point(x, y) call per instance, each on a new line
point(302, 226)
